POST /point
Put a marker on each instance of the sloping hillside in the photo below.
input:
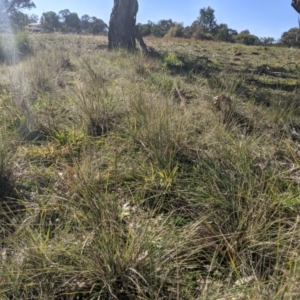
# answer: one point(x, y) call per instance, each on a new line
point(169, 176)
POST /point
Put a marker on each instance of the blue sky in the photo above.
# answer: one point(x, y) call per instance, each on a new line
point(264, 18)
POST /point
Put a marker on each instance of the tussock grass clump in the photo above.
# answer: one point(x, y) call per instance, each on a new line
point(11, 204)
point(98, 109)
point(5, 168)
point(14, 47)
point(234, 182)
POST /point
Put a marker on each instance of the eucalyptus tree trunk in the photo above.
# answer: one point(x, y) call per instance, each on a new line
point(122, 26)
point(296, 5)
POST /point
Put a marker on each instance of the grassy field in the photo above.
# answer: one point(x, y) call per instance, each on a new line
point(169, 176)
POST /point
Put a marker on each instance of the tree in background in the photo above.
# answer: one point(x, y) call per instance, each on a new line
point(62, 18)
point(199, 33)
point(72, 22)
point(225, 34)
point(50, 21)
point(20, 20)
point(93, 25)
point(176, 31)
point(206, 20)
point(161, 28)
point(69, 22)
point(10, 7)
point(85, 21)
point(291, 38)
point(63, 15)
point(246, 38)
point(188, 32)
point(33, 18)
point(267, 40)
point(145, 29)
point(205, 26)
point(66, 21)
point(10, 10)
point(98, 26)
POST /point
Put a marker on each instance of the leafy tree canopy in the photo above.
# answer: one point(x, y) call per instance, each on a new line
point(224, 33)
point(246, 38)
point(207, 20)
point(85, 22)
point(291, 38)
point(98, 26)
point(161, 27)
point(10, 12)
point(72, 21)
point(50, 21)
point(12, 6)
point(86, 18)
point(63, 14)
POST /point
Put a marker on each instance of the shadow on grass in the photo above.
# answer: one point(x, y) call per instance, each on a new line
point(185, 65)
point(10, 207)
point(286, 87)
point(199, 66)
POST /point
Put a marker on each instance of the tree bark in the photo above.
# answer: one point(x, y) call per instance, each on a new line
point(122, 26)
point(296, 5)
